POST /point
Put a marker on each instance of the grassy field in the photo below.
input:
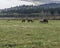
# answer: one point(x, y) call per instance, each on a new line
point(15, 34)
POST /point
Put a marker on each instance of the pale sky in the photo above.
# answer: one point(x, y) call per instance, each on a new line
point(11, 3)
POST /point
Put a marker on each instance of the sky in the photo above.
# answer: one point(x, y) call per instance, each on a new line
point(12, 3)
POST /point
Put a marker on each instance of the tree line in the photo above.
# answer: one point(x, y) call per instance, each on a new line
point(29, 11)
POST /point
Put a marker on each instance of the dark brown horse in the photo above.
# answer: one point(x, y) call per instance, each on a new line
point(44, 21)
point(23, 20)
point(30, 20)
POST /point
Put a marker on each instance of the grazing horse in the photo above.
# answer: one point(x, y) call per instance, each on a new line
point(8, 20)
point(44, 21)
point(30, 20)
point(23, 20)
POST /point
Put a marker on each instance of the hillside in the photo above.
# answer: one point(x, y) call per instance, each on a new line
point(31, 8)
point(51, 5)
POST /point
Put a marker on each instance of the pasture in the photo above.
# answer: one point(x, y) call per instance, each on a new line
point(15, 34)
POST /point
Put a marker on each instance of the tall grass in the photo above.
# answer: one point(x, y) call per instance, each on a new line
point(15, 34)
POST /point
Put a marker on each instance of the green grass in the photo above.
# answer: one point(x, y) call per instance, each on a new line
point(15, 34)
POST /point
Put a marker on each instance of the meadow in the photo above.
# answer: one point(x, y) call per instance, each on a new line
point(15, 34)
